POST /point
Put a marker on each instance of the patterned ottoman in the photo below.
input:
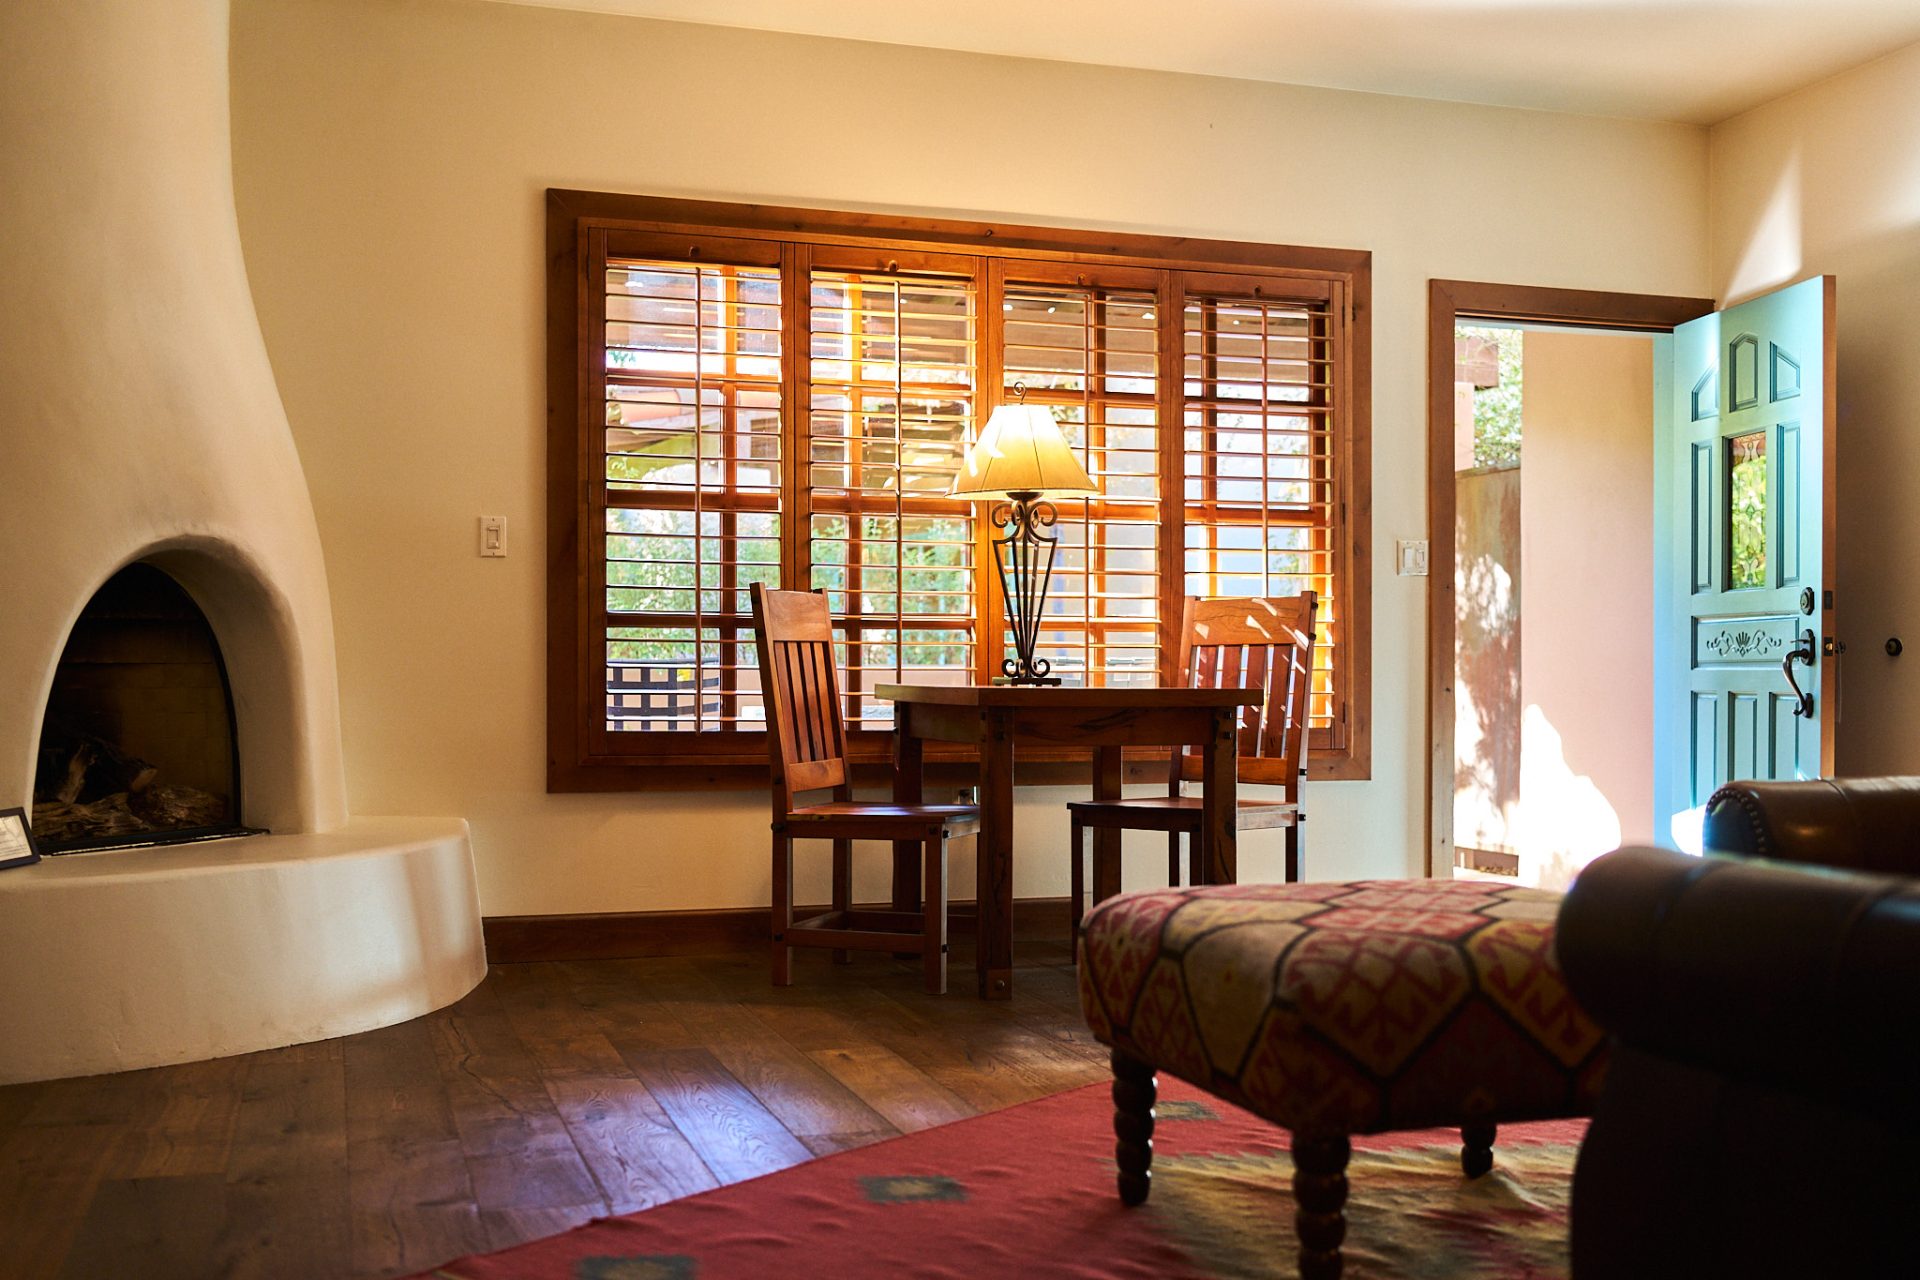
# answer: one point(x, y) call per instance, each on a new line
point(1335, 1009)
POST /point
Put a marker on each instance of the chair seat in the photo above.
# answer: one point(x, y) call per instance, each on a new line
point(878, 818)
point(1178, 813)
point(1347, 1008)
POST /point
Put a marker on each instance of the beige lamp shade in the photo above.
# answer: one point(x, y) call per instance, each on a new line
point(1021, 451)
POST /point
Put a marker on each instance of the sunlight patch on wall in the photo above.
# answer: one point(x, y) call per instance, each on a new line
point(1485, 691)
point(1773, 253)
point(1564, 821)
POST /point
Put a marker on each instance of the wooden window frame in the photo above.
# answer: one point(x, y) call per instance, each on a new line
point(577, 221)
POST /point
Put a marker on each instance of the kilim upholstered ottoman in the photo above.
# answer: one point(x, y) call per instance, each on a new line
point(1336, 1009)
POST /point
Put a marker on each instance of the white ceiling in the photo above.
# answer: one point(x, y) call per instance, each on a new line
point(1698, 61)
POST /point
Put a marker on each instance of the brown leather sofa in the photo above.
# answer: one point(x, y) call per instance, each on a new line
point(1761, 1115)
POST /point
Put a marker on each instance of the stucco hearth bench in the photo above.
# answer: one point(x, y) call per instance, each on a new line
point(1334, 1010)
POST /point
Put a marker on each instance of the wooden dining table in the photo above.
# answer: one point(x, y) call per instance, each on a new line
point(997, 717)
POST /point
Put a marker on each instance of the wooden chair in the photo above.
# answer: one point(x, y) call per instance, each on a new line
point(1257, 642)
point(807, 742)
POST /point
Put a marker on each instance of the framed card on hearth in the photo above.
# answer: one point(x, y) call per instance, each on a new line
point(16, 840)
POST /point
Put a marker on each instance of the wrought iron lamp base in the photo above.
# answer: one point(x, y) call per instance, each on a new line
point(1024, 555)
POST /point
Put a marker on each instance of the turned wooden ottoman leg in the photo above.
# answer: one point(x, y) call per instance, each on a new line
point(1476, 1148)
point(1133, 1094)
point(1319, 1200)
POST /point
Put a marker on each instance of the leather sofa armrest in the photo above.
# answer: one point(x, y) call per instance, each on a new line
point(1802, 979)
point(1866, 824)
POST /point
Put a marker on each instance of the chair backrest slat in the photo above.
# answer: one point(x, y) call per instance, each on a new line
point(1257, 642)
point(806, 740)
point(1206, 668)
point(833, 729)
point(1254, 720)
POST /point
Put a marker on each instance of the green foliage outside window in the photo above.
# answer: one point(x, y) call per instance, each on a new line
point(1747, 477)
point(1496, 410)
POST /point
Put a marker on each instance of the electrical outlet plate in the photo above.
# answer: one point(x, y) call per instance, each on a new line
point(493, 536)
point(1412, 557)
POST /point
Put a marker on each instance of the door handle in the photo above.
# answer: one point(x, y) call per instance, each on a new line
point(1803, 652)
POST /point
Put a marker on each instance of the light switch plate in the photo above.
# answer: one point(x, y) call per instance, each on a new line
point(1412, 558)
point(493, 536)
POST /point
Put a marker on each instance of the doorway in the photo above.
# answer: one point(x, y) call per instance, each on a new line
point(1540, 594)
point(1553, 570)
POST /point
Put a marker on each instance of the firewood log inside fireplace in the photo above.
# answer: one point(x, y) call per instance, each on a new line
point(88, 788)
point(77, 767)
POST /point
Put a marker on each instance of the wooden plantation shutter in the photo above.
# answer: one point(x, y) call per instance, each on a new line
point(1261, 498)
point(1087, 347)
point(891, 402)
point(693, 426)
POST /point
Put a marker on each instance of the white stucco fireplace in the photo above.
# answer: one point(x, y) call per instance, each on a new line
point(140, 424)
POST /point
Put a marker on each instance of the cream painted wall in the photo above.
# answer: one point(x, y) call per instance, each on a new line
point(1586, 575)
point(391, 159)
point(1828, 181)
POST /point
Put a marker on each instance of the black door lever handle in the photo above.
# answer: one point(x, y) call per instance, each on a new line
point(1803, 652)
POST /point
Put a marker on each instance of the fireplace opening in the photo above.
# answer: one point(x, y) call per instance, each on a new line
point(138, 744)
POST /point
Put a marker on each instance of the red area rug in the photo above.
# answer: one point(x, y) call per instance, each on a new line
point(1029, 1192)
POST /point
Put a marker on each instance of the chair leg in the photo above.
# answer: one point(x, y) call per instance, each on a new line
point(843, 888)
point(782, 909)
point(1104, 870)
point(1294, 835)
point(1173, 859)
point(1476, 1149)
point(934, 915)
point(1133, 1094)
point(1319, 1200)
point(1077, 875)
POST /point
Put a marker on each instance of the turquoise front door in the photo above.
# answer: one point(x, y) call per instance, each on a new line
point(1745, 681)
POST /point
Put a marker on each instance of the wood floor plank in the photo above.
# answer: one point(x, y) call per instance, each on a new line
point(193, 1131)
point(683, 989)
point(159, 1228)
point(982, 1072)
point(124, 1098)
point(509, 1227)
point(809, 1101)
point(619, 996)
point(48, 1178)
point(410, 1197)
point(826, 1144)
point(287, 1179)
point(737, 1136)
point(742, 1036)
point(518, 1153)
point(630, 1145)
point(16, 1100)
point(908, 1097)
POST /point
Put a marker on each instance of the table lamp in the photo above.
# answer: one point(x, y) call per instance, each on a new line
point(1019, 458)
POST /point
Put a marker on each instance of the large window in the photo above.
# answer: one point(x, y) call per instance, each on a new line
point(741, 394)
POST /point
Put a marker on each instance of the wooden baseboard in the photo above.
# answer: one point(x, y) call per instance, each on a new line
point(623, 935)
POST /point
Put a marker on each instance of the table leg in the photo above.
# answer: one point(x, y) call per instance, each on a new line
point(1106, 840)
point(1220, 827)
point(994, 876)
point(909, 787)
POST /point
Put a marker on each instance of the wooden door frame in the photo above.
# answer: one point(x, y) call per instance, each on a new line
point(1447, 302)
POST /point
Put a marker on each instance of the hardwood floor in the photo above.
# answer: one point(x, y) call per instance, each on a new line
point(554, 1093)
